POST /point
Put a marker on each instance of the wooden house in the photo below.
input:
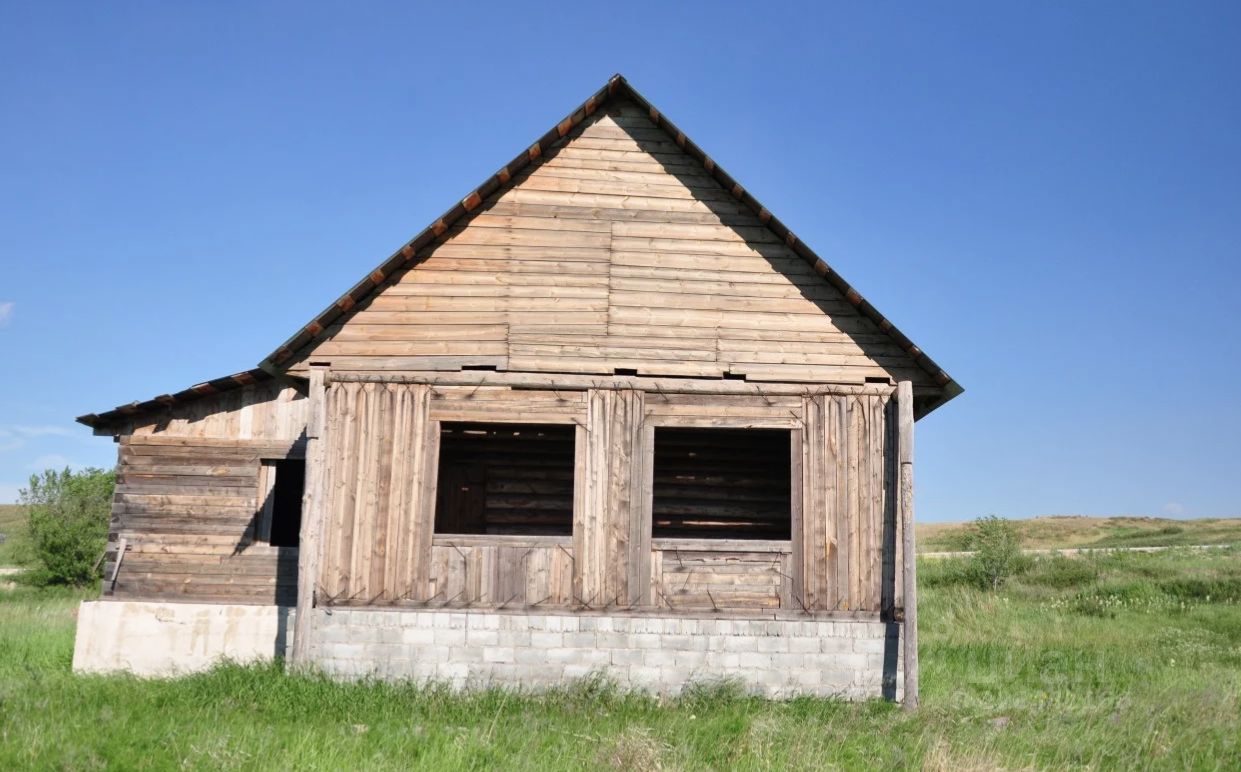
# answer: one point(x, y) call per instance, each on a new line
point(606, 414)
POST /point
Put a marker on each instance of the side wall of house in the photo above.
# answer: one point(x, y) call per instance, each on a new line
point(189, 496)
point(381, 547)
point(188, 500)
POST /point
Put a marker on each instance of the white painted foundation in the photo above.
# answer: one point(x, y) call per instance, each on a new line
point(167, 639)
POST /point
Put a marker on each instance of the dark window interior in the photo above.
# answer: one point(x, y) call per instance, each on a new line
point(286, 511)
point(505, 479)
point(722, 484)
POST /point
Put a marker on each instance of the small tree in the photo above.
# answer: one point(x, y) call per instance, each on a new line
point(68, 517)
point(997, 550)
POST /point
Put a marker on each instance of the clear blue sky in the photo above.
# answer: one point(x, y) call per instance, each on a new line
point(1046, 197)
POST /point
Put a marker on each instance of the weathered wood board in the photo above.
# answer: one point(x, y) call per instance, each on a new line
point(615, 250)
point(274, 410)
point(188, 505)
point(187, 510)
point(505, 572)
point(850, 530)
point(381, 451)
point(705, 577)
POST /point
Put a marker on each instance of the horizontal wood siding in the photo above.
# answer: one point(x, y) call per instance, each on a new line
point(615, 250)
point(187, 509)
point(714, 579)
point(266, 411)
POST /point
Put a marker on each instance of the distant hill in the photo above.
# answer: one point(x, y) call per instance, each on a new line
point(1065, 531)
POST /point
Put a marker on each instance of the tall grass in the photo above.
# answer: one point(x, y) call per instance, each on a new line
point(1029, 676)
point(1063, 532)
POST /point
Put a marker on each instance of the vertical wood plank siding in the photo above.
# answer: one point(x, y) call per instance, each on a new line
point(850, 538)
point(381, 548)
point(381, 444)
point(610, 476)
point(502, 574)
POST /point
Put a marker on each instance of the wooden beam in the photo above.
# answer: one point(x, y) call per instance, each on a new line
point(577, 382)
point(116, 567)
point(314, 509)
point(905, 421)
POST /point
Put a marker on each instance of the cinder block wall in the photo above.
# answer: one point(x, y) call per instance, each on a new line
point(472, 649)
point(847, 658)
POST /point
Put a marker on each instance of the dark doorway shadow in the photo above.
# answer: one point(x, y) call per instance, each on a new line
point(891, 659)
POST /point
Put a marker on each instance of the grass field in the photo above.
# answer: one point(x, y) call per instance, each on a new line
point(1117, 661)
point(1070, 531)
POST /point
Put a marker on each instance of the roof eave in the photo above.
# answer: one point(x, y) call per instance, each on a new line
point(949, 391)
point(101, 421)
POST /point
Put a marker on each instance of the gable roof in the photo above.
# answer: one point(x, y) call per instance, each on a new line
point(616, 87)
point(275, 364)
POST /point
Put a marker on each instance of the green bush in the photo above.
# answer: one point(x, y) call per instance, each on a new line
point(67, 529)
point(997, 551)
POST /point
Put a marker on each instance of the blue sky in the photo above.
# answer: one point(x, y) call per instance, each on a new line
point(1046, 197)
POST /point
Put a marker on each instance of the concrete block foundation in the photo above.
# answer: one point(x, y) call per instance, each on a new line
point(849, 658)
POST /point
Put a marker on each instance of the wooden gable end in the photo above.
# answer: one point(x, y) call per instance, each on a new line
point(615, 251)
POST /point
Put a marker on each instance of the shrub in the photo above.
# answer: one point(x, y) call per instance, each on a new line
point(997, 551)
point(68, 517)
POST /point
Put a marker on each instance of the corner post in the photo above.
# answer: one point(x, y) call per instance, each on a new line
point(909, 576)
point(314, 506)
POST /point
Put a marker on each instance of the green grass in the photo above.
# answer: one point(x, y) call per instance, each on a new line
point(1071, 531)
point(1117, 661)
